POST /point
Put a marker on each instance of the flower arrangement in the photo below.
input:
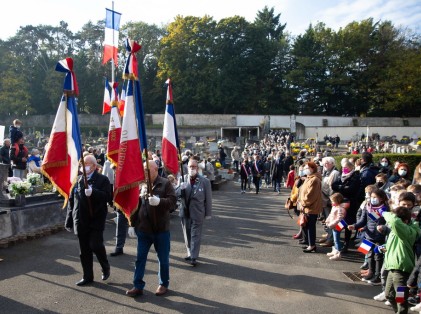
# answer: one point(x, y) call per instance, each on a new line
point(34, 178)
point(419, 143)
point(19, 187)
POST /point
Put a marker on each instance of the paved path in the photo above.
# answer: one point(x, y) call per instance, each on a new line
point(249, 264)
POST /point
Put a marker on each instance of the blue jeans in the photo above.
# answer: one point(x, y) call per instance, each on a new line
point(161, 242)
point(337, 239)
point(121, 231)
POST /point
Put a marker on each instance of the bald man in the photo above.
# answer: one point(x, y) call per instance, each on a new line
point(89, 223)
point(151, 225)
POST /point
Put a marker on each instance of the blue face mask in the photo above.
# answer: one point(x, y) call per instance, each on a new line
point(374, 201)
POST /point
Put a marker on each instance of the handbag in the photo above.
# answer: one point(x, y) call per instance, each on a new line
point(289, 204)
point(302, 220)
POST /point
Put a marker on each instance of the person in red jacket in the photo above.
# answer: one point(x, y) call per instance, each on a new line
point(290, 179)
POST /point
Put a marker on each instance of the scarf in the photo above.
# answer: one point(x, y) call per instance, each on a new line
point(345, 177)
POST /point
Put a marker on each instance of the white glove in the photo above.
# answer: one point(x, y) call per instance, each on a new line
point(183, 185)
point(208, 217)
point(154, 200)
point(132, 233)
point(88, 191)
point(143, 191)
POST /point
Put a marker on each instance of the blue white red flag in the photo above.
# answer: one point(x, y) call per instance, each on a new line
point(129, 170)
point(64, 148)
point(170, 142)
point(400, 294)
point(342, 224)
point(106, 107)
point(365, 246)
point(112, 27)
point(114, 135)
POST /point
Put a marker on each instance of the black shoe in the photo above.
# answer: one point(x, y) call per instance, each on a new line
point(364, 266)
point(105, 274)
point(345, 249)
point(187, 258)
point(117, 253)
point(303, 242)
point(193, 262)
point(83, 282)
point(414, 300)
point(310, 250)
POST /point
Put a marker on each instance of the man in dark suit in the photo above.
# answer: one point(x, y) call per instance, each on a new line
point(197, 193)
point(257, 171)
point(86, 214)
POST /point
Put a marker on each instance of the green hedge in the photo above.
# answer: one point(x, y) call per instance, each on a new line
point(411, 159)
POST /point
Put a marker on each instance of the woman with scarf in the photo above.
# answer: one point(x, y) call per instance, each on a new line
point(348, 186)
point(34, 162)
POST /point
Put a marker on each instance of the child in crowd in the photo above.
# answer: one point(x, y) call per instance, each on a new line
point(290, 178)
point(15, 134)
point(395, 191)
point(406, 200)
point(337, 213)
point(371, 218)
point(399, 254)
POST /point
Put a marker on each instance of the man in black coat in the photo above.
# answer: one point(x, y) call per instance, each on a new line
point(257, 170)
point(86, 214)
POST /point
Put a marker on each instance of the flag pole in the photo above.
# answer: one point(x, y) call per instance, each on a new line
point(112, 59)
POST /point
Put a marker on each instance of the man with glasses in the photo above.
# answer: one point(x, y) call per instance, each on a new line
point(197, 193)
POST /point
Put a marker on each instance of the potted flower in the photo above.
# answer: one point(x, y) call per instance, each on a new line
point(34, 178)
point(19, 189)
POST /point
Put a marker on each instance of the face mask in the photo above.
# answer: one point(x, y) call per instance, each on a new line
point(307, 172)
point(18, 126)
point(367, 196)
point(374, 201)
point(88, 169)
point(357, 168)
point(301, 173)
point(380, 184)
point(402, 172)
point(37, 156)
point(192, 172)
point(345, 170)
point(384, 164)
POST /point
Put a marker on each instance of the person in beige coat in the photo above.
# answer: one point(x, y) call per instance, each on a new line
point(310, 202)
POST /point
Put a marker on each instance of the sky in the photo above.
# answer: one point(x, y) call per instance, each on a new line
point(297, 14)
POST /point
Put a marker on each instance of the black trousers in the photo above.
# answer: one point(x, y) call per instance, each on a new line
point(92, 241)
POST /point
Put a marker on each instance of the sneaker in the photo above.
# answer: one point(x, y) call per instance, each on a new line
point(336, 257)
point(380, 297)
point(416, 308)
point(367, 277)
point(387, 303)
point(414, 300)
point(334, 252)
point(375, 281)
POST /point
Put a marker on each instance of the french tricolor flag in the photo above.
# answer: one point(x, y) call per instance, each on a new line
point(129, 170)
point(64, 148)
point(400, 294)
point(114, 135)
point(170, 135)
point(122, 100)
point(112, 27)
point(106, 106)
point(342, 224)
point(365, 246)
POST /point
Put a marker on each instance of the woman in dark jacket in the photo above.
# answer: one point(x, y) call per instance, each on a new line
point(385, 166)
point(348, 186)
point(402, 172)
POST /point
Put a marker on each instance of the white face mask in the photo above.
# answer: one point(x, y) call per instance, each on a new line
point(87, 169)
point(402, 172)
point(374, 201)
point(307, 172)
point(37, 155)
point(367, 196)
point(192, 172)
point(384, 164)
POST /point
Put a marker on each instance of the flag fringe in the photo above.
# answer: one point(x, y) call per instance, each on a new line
point(56, 164)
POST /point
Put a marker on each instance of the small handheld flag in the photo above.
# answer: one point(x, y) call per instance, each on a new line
point(365, 246)
point(400, 294)
point(342, 224)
